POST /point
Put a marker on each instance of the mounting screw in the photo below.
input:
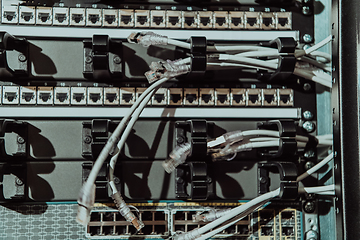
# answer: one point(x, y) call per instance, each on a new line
point(180, 140)
point(309, 165)
point(116, 180)
point(309, 154)
point(309, 206)
point(117, 60)
point(180, 180)
point(88, 59)
point(311, 235)
point(307, 87)
point(306, 1)
point(306, 10)
point(22, 58)
point(307, 38)
point(308, 126)
point(308, 115)
point(209, 180)
point(87, 139)
point(20, 140)
point(263, 180)
point(19, 182)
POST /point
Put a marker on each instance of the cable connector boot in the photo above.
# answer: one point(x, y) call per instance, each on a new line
point(126, 212)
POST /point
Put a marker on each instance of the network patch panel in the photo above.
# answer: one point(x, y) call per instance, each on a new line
point(127, 18)
point(166, 219)
point(113, 96)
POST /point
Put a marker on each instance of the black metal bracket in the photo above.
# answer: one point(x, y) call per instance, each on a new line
point(15, 176)
point(198, 137)
point(287, 133)
point(195, 171)
point(95, 135)
point(198, 57)
point(101, 183)
point(102, 58)
point(288, 174)
point(286, 63)
point(14, 48)
point(18, 127)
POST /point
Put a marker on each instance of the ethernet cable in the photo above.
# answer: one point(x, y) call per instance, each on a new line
point(147, 39)
point(321, 190)
point(87, 193)
point(240, 212)
point(316, 167)
point(252, 204)
point(196, 235)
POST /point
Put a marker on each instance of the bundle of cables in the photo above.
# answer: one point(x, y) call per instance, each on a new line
point(311, 64)
point(229, 144)
point(115, 143)
point(220, 220)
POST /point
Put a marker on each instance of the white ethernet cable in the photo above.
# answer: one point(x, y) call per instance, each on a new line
point(314, 48)
point(87, 193)
point(233, 213)
point(321, 190)
point(120, 203)
point(150, 38)
point(316, 167)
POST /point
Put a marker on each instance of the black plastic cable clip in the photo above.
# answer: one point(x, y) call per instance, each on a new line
point(287, 142)
point(101, 182)
point(18, 127)
point(194, 172)
point(286, 64)
point(198, 62)
point(198, 137)
point(102, 57)
point(20, 66)
point(95, 135)
point(288, 174)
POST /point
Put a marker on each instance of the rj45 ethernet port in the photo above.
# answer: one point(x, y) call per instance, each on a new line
point(236, 20)
point(221, 20)
point(173, 19)
point(126, 18)
point(286, 215)
point(190, 19)
point(267, 231)
point(158, 19)
point(270, 97)
point(78, 95)
point(142, 18)
point(252, 20)
point(207, 97)
point(283, 20)
point(238, 96)
point(175, 96)
point(254, 97)
point(93, 17)
point(127, 96)
point(287, 231)
point(243, 229)
point(110, 17)
point(286, 97)
point(205, 19)
point(191, 96)
point(268, 20)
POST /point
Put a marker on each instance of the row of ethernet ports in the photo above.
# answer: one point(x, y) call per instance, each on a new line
point(113, 96)
point(162, 223)
point(93, 17)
